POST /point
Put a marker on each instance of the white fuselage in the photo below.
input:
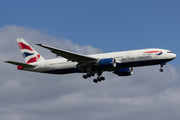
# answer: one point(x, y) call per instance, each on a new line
point(124, 59)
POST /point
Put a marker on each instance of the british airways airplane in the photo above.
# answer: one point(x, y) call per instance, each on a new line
point(120, 63)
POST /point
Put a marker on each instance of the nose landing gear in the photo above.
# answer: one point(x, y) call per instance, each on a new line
point(161, 70)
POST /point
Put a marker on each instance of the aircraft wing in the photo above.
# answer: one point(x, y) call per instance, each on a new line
point(20, 64)
point(71, 56)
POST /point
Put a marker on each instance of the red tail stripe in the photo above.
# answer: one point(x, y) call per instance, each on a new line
point(23, 46)
point(34, 59)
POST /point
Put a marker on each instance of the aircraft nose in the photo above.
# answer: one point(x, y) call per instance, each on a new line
point(172, 56)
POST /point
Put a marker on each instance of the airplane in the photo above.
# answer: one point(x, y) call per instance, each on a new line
point(119, 63)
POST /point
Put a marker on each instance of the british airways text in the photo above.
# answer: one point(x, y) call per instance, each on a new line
point(135, 58)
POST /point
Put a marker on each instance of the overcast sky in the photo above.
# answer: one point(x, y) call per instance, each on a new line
point(89, 27)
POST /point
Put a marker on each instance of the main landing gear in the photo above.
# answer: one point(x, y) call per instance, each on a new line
point(88, 75)
point(161, 70)
point(99, 78)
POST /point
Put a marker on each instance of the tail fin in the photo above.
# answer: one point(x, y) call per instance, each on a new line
point(29, 54)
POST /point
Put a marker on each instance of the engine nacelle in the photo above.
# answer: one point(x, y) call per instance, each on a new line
point(109, 62)
point(124, 71)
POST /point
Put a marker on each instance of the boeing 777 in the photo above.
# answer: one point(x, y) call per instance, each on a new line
point(120, 63)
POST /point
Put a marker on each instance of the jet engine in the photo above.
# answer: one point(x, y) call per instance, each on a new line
point(109, 62)
point(124, 71)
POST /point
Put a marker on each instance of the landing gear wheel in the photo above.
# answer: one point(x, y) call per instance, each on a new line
point(92, 74)
point(99, 79)
point(102, 78)
point(84, 76)
point(95, 81)
point(161, 70)
point(88, 75)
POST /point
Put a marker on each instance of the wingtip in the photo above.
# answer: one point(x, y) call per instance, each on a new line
point(6, 61)
point(39, 44)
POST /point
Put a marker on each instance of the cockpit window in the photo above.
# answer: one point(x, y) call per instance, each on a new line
point(169, 52)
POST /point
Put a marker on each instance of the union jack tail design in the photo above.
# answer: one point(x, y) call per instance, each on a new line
point(29, 54)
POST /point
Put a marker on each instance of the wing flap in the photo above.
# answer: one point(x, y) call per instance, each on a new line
point(71, 56)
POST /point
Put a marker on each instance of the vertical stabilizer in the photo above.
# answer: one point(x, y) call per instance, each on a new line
point(30, 55)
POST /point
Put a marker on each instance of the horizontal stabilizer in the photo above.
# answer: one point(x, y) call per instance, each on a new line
point(20, 64)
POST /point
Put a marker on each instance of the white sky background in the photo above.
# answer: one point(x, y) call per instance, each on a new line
point(146, 95)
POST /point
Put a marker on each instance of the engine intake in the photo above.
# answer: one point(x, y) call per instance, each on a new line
point(124, 71)
point(109, 62)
